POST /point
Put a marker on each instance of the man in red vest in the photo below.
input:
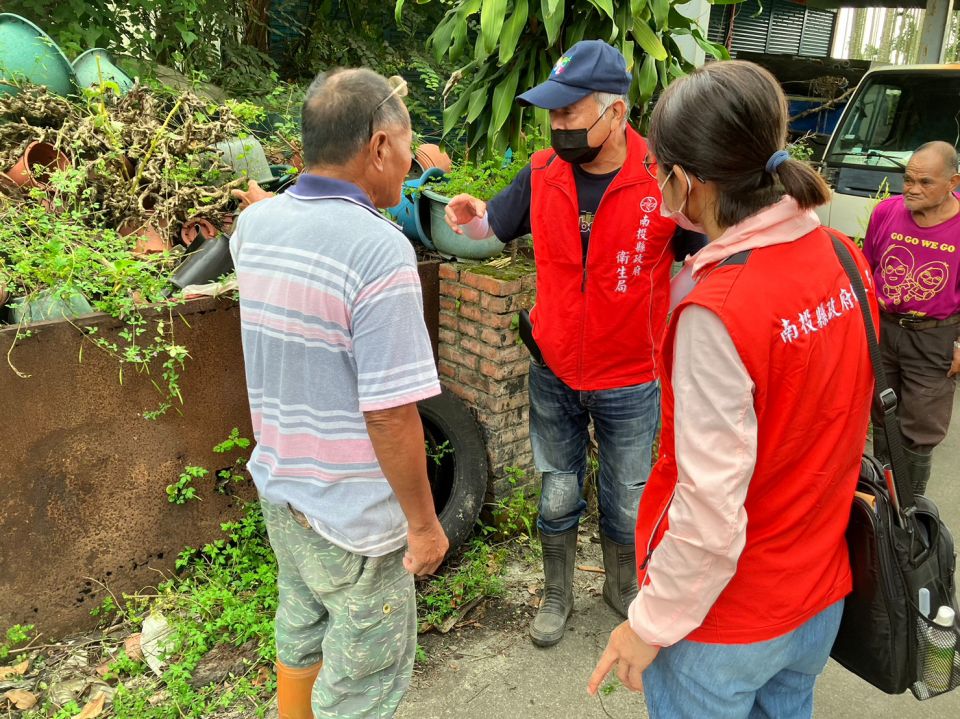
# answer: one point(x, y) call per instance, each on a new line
point(603, 254)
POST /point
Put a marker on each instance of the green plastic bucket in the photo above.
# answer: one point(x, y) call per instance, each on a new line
point(448, 242)
point(89, 74)
point(27, 54)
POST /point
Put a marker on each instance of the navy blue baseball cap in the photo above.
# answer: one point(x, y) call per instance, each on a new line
point(587, 67)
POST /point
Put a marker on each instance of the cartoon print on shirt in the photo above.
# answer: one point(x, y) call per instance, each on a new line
point(903, 281)
point(930, 279)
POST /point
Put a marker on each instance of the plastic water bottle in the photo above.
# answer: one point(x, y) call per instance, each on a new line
point(938, 650)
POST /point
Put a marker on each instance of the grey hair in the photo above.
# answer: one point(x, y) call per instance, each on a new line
point(944, 150)
point(338, 110)
point(606, 100)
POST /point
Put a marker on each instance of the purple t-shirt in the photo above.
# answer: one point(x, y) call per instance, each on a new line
point(916, 269)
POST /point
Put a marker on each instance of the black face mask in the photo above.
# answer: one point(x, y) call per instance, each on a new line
point(572, 145)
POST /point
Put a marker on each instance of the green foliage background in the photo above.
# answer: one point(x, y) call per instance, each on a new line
point(501, 47)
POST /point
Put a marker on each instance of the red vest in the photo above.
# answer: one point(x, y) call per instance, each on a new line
point(599, 324)
point(792, 317)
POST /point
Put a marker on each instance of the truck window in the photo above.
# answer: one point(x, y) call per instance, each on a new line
point(895, 114)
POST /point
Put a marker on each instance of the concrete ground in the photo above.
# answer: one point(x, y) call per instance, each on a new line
point(490, 670)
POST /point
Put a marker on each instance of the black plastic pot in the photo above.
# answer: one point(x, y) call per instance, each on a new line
point(205, 264)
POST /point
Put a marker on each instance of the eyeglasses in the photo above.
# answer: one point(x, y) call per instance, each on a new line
point(399, 88)
point(650, 165)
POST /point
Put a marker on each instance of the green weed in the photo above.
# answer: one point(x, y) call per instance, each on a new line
point(17, 636)
point(477, 575)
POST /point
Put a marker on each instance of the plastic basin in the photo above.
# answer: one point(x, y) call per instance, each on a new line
point(27, 54)
point(413, 212)
point(89, 74)
point(449, 243)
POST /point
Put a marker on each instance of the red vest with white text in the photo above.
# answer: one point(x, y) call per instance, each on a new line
point(599, 323)
point(798, 329)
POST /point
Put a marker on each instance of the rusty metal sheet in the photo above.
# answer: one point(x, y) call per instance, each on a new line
point(83, 475)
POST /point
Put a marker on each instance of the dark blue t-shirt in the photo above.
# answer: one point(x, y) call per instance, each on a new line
point(509, 211)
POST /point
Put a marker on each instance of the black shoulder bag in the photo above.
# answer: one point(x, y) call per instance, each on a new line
point(902, 556)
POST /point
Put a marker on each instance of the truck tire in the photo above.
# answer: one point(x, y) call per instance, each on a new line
point(457, 468)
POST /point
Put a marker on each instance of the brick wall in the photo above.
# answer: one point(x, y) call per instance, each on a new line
point(482, 360)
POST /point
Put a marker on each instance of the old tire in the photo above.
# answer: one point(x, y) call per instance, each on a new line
point(458, 477)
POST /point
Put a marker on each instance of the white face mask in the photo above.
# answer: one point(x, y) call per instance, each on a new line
point(677, 216)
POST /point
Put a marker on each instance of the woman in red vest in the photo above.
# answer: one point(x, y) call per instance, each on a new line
point(767, 384)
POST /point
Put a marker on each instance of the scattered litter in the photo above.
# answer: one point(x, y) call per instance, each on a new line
point(590, 568)
point(154, 641)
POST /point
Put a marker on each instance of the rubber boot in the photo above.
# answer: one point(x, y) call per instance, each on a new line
point(294, 691)
point(918, 469)
point(559, 555)
point(620, 566)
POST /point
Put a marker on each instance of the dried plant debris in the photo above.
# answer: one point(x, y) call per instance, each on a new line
point(148, 151)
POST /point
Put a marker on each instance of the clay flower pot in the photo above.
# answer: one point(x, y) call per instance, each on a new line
point(38, 161)
point(8, 186)
point(152, 234)
point(197, 227)
point(428, 156)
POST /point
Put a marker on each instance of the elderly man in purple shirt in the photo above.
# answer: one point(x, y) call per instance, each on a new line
point(912, 244)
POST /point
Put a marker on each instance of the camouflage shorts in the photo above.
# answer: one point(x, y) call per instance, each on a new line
point(358, 614)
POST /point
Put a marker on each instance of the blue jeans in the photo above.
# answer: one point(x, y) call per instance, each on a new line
point(772, 679)
point(624, 421)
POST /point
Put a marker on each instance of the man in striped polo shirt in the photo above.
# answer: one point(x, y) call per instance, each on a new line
point(337, 355)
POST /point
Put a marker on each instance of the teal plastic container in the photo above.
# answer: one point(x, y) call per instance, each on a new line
point(48, 305)
point(413, 212)
point(27, 54)
point(449, 243)
point(89, 74)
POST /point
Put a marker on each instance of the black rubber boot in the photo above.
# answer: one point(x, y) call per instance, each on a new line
point(559, 555)
point(918, 469)
point(620, 566)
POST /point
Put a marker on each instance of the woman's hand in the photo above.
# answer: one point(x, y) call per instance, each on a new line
point(629, 653)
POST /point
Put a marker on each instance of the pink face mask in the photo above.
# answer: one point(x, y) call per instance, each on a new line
point(677, 216)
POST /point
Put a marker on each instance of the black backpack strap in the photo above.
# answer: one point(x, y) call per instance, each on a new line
point(883, 396)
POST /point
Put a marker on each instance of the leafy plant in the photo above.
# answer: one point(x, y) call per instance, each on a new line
point(800, 150)
point(59, 256)
point(198, 37)
point(477, 575)
point(232, 443)
point(60, 245)
point(436, 452)
point(883, 193)
point(483, 178)
point(363, 33)
point(501, 46)
point(226, 593)
point(514, 515)
point(182, 491)
point(16, 636)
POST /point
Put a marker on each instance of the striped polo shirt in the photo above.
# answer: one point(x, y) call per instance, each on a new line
point(332, 327)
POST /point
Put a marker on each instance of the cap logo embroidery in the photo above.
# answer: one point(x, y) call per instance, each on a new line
point(560, 66)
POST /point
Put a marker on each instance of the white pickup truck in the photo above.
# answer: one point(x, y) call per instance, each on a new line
point(893, 112)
